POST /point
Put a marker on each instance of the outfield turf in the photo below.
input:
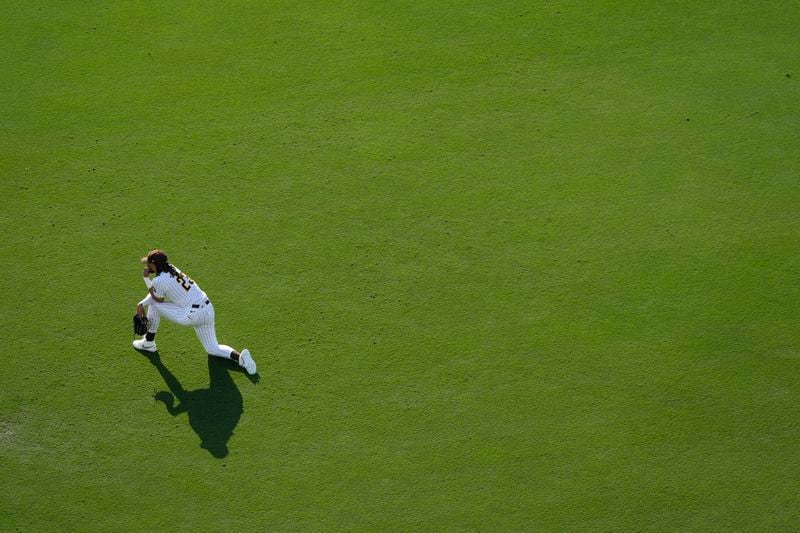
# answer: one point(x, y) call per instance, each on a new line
point(502, 265)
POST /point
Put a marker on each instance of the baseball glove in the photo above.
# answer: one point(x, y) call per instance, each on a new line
point(140, 324)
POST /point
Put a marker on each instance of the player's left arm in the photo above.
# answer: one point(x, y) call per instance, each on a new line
point(140, 306)
point(150, 299)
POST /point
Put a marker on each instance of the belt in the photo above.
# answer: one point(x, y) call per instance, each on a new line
point(197, 306)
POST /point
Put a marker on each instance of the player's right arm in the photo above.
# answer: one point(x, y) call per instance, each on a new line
point(146, 278)
point(157, 291)
point(155, 297)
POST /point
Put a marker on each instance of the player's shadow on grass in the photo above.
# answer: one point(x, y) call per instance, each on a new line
point(213, 412)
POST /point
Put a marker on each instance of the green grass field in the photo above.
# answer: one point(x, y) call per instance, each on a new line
point(503, 265)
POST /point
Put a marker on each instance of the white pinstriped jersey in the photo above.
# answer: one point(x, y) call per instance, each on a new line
point(180, 289)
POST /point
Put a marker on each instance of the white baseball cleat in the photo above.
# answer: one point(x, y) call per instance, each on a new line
point(247, 362)
point(145, 345)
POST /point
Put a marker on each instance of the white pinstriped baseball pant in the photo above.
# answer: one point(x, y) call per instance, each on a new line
point(202, 320)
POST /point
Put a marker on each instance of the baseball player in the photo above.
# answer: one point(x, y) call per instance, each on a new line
point(174, 295)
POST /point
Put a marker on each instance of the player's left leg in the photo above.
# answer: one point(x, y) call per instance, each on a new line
point(171, 311)
point(148, 342)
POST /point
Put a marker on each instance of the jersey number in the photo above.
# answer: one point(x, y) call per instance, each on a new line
point(185, 281)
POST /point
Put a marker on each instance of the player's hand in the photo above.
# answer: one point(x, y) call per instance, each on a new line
point(140, 310)
point(146, 272)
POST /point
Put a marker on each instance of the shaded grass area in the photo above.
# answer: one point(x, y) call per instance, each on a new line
point(501, 266)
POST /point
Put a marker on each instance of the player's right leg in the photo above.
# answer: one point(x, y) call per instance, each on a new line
point(208, 338)
point(207, 334)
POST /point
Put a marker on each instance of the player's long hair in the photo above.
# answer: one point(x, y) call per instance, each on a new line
point(159, 258)
point(171, 269)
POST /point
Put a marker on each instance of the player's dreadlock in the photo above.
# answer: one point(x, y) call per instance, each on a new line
point(172, 270)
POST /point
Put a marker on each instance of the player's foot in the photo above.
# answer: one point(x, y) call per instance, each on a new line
point(145, 345)
point(247, 362)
